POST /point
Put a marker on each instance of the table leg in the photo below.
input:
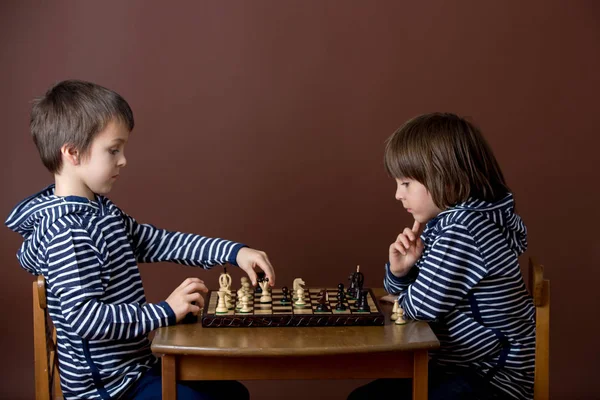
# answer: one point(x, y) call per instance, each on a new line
point(420, 376)
point(169, 383)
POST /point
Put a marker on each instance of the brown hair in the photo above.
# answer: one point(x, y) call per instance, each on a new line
point(74, 112)
point(449, 156)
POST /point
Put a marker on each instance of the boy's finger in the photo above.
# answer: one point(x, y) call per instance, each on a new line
point(410, 234)
point(399, 248)
point(251, 275)
point(416, 226)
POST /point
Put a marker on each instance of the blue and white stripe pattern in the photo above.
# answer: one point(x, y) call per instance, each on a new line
point(468, 286)
point(88, 253)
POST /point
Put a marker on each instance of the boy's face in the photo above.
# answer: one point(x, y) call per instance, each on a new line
point(99, 169)
point(416, 199)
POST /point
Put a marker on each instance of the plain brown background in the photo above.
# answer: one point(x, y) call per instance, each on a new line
point(264, 122)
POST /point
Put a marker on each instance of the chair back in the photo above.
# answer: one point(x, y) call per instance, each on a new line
point(540, 290)
point(47, 382)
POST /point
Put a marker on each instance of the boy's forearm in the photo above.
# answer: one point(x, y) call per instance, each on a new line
point(394, 284)
point(94, 320)
point(152, 244)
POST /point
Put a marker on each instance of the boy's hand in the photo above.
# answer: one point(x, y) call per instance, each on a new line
point(406, 250)
point(248, 259)
point(389, 298)
point(181, 299)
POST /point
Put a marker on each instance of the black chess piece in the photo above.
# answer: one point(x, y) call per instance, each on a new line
point(260, 277)
point(360, 279)
point(285, 295)
point(352, 288)
point(322, 301)
point(361, 303)
point(341, 297)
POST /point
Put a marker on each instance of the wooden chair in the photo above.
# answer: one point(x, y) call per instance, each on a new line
point(540, 290)
point(47, 384)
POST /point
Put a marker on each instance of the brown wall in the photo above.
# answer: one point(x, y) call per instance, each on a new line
point(264, 122)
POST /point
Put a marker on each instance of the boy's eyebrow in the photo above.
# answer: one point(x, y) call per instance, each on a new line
point(118, 140)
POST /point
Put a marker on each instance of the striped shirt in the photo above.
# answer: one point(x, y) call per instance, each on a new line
point(88, 252)
point(468, 285)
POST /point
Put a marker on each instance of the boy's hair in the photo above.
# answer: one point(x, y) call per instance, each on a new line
point(73, 112)
point(449, 156)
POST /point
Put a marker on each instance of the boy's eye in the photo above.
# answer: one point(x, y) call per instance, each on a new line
point(405, 184)
point(113, 151)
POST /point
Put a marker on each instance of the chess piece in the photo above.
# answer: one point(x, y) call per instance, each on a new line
point(221, 305)
point(362, 304)
point(245, 308)
point(246, 286)
point(260, 277)
point(224, 280)
point(266, 297)
point(300, 297)
point(341, 297)
point(228, 299)
point(323, 301)
point(298, 282)
point(394, 315)
point(360, 279)
point(400, 320)
point(285, 295)
point(352, 286)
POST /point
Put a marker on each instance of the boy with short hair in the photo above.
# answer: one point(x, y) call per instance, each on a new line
point(88, 249)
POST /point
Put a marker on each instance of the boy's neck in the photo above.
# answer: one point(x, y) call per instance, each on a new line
point(64, 187)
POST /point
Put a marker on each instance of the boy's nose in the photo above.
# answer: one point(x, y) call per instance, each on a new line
point(122, 162)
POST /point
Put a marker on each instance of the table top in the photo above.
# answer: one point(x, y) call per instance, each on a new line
point(193, 339)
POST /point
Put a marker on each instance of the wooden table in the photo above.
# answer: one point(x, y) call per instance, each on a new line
point(191, 352)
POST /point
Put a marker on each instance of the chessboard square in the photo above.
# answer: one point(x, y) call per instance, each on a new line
point(257, 312)
point(281, 308)
point(302, 311)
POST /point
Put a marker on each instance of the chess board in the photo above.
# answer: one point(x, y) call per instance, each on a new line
point(276, 314)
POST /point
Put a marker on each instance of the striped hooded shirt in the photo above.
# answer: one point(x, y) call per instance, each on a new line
point(88, 253)
point(467, 284)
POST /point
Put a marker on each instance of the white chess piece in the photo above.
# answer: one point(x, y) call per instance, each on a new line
point(266, 297)
point(221, 305)
point(245, 308)
point(395, 310)
point(225, 281)
point(300, 297)
point(400, 320)
point(298, 283)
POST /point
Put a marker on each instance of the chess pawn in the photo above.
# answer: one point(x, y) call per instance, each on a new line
point(266, 297)
point(221, 305)
point(228, 299)
point(400, 320)
point(246, 286)
point(395, 310)
point(285, 299)
point(245, 308)
point(300, 297)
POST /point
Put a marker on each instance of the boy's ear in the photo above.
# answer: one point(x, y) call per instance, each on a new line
point(70, 154)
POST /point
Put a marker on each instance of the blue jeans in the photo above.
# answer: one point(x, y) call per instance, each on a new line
point(149, 387)
point(444, 384)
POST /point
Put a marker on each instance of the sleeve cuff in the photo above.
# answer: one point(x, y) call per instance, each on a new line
point(404, 280)
point(234, 252)
point(171, 318)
